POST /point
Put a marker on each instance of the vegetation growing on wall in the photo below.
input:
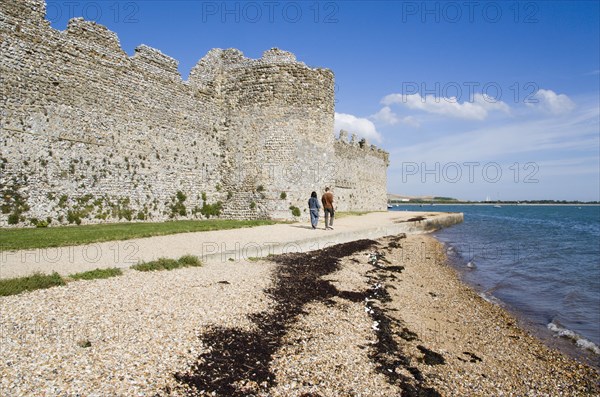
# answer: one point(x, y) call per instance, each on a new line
point(14, 203)
point(295, 210)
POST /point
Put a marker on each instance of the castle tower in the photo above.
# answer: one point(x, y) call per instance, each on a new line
point(277, 127)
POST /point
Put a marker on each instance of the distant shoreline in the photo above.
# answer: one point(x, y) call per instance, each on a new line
point(501, 203)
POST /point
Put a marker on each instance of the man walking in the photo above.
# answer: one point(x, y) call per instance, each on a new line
point(327, 201)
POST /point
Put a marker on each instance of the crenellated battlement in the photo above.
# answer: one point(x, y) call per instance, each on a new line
point(362, 146)
point(90, 134)
point(222, 60)
point(275, 55)
point(154, 61)
point(94, 33)
point(28, 11)
point(274, 79)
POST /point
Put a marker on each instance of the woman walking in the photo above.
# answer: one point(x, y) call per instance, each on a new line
point(314, 207)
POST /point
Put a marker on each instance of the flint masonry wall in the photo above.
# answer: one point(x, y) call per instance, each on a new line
point(360, 175)
point(276, 122)
point(89, 134)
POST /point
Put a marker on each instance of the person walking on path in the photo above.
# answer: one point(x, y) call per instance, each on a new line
point(314, 207)
point(327, 201)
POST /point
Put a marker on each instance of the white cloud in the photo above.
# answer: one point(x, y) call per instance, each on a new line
point(412, 121)
point(578, 132)
point(477, 109)
point(393, 98)
point(356, 125)
point(550, 102)
point(387, 116)
point(563, 152)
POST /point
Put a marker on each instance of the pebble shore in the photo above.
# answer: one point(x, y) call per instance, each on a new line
point(366, 318)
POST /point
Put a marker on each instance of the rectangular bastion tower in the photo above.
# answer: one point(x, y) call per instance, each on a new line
point(90, 134)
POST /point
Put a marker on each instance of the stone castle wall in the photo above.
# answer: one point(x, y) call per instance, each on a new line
point(89, 134)
point(360, 174)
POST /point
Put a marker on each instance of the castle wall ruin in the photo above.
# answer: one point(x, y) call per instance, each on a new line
point(90, 134)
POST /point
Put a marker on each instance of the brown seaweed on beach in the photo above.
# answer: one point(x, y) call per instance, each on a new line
point(414, 219)
point(237, 361)
point(397, 237)
point(430, 357)
point(473, 357)
point(387, 352)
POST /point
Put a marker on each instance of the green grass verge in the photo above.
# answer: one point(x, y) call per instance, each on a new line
point(168, 264)
point(13, 286)
point(19, 239)
point(97, 273)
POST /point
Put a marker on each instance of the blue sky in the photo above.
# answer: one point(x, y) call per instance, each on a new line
point(472, 99)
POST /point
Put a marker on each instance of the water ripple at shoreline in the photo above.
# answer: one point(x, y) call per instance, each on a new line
point(540, 263)
point(573, 336)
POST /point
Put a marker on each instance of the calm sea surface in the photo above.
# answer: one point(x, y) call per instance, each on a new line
point(540, 262)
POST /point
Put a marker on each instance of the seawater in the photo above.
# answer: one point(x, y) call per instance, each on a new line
point(540, 262)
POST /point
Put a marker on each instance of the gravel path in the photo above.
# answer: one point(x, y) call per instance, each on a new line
point(221, 246)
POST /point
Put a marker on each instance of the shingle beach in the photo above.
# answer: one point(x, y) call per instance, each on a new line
point(369, 317)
